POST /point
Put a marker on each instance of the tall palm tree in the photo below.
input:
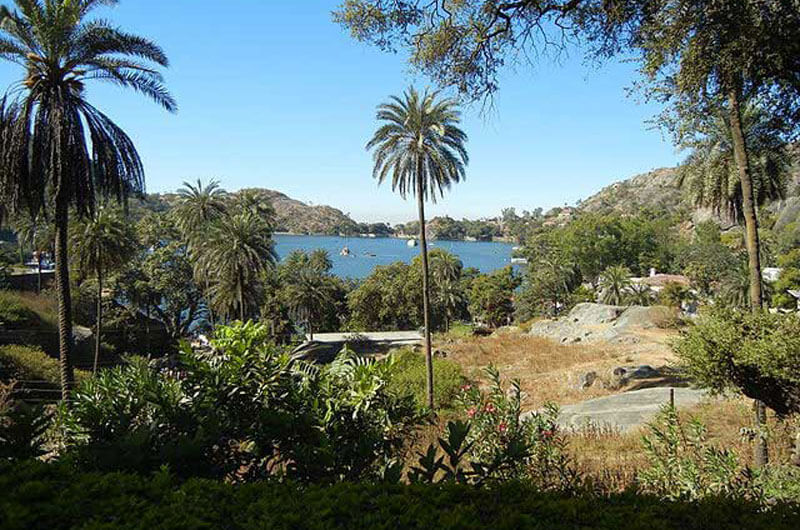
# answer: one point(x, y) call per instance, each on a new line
point(198, 206)
point(614, 284)
point(101, 244)
point(60, 147)
point(233, 255)
point(309, 297)
point(445, 273)
point(420, 147)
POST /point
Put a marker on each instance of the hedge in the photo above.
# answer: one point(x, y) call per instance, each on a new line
point(37, 495)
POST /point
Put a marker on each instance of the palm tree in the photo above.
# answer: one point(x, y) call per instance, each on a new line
point(308, 297)
point(420, 146)
point(711, 175)
point(99, 245)
point(37, 233)
point(639, 294)
point(445, 273)
point(198, 205)
point(614, 284)
point(60, 148)
point(233, 255)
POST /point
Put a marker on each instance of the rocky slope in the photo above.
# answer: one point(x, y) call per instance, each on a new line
point(291, 215)
point(657, 190)
point(301, 218)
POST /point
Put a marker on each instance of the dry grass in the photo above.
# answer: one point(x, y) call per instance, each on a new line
point(548, 371)
point(612, 459)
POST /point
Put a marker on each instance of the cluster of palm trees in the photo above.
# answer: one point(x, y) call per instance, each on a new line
point(229, 240)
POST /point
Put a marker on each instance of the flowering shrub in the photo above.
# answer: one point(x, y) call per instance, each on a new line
point(498, 442)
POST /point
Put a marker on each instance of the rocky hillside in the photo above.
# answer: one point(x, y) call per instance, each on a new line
point(291, 215)
point(301, 218)
point(654, 190)
point(658, 191)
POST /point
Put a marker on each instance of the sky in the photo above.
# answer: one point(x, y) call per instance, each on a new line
point(273, 94)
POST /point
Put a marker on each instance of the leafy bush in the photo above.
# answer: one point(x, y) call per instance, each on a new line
point(683, 465)
point(27, 363)
point(21, 427)
point(15, 314)
point(409, 376)
point(757, 354)
point(37, 495)
point(244, 411)
point(513, 445)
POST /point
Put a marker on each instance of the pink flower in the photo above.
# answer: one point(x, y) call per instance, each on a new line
point(466, 387)
point(471, 412)
point(489, 408)
point(503, 427)
point(548, 433)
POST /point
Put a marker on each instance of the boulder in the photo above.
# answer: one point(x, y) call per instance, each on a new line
point(586, 380)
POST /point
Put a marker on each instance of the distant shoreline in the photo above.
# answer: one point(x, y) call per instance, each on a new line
point(376, 236)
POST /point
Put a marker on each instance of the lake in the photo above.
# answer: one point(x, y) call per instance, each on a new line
point(366, 253)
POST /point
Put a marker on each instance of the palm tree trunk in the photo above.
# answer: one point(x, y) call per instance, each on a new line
point(64, 298)
point(99, 326)
point(760, 451)
point(423, 244)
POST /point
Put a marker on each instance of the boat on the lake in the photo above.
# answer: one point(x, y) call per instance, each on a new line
point(412, 243)
point(345, 251)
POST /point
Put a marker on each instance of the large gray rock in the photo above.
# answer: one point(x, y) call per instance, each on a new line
point(598, 322)
point(625, 411)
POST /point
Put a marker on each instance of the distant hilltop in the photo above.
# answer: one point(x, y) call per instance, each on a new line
point(291, 215)
point(656, 191)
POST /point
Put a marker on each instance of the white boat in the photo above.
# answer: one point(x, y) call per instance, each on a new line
point(412, 243)
point(345, 251)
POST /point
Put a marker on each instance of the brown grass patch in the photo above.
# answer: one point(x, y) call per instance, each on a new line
point(548, 371)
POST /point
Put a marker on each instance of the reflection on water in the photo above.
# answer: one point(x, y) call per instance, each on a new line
point(366, 253)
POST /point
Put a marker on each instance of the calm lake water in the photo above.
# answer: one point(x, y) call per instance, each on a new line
point(366, 253)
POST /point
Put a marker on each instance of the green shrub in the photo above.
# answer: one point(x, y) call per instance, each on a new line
point(409, 376)
point(21, 427)
point(243, 412)
point(15, 314)
point(27, 363)
point(509, 445)
point(684, 465)
point(757, 354)
point(37, 495)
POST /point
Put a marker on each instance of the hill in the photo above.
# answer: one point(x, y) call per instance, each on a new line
point(658, 191)
point(291, 215)
point(301, 218)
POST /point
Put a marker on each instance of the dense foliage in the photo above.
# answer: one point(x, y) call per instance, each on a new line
point(756, 354)
point(44, 496)
point(245, 410)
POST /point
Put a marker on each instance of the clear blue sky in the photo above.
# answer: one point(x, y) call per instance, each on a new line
point(273, 94)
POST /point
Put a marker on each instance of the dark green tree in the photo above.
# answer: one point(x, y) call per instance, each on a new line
point(233, 255)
